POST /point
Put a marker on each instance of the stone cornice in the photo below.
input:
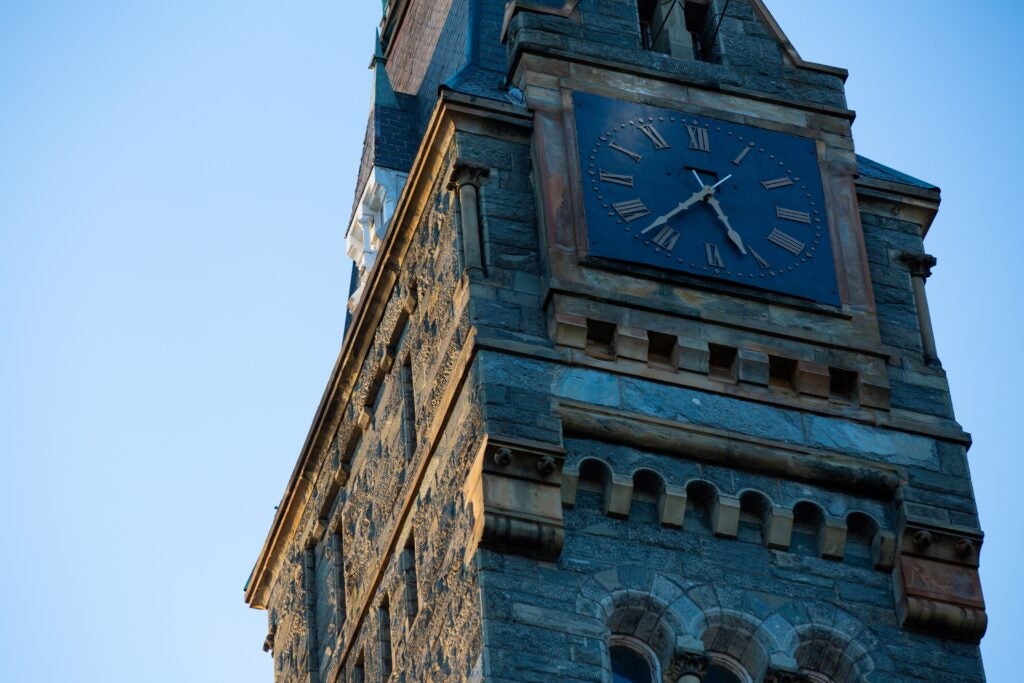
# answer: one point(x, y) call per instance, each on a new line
point(452, 113)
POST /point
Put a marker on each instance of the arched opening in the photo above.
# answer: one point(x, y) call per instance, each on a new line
point(632, 661)
point(700, 500)
point(648, 487)
point(595, 479)
point(726, 670)
point(807, 521)
point(860, 536)
point(754, 510)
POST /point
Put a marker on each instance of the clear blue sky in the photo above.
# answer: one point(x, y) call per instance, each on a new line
point(175, 181)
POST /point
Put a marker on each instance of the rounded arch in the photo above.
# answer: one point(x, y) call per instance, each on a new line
point(648, 484)
point(861, 530)
point(737, 636)
point(701, 497)
point(595, 476)
point(755, 509)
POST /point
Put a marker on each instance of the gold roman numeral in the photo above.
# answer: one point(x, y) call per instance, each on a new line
point(787, 242)
point(742, 155)
point(650, 131)
point(777, 183)
point(666, 239)
point(791, 215)
point(628, 152)
point(761, 263)
point(616, 178)
point(713, 255)
point(631, 210)
point(699, 138)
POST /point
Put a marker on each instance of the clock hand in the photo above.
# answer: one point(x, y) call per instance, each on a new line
point(683, 206)
point(733, 235)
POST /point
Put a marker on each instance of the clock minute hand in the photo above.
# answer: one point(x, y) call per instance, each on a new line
point(733, 235)
point(683, 206)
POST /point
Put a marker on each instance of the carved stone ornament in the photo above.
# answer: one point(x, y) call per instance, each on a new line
point(920, 264)
point(686, 663)
point(467, 174)
point(522, 500)
point(938, 589)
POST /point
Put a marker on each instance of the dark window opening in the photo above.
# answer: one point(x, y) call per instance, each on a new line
point(660, 348)
point(600, 338)
point(781, 372)
point(841, 383)
point(681, 28)
point(408, 409)
point(722, 362)
point(384, 638)
point(630, 666)
point(719, 674)
point(412, 597)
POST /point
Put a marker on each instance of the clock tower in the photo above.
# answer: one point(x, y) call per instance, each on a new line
point(639, 382)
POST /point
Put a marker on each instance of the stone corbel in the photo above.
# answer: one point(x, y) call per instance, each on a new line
point(687, 666)
point(938, 590)
point(567, 10)
point(466, 180)
point(522, 498)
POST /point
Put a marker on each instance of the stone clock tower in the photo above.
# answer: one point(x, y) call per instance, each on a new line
point(639, 382)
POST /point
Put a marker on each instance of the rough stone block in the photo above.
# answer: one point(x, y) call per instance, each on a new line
point(873, 391)
point(725, 516)
point(812, 379)
point(569, 330)
point(570, 485)
point(778, 529)
point(619, 496)
point(832, 539)
point(752, 367)
point(883, 550)
point(631, 342)
point(692, 355)
point(672, 506)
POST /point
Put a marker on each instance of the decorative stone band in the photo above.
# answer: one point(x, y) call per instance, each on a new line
point(687, 666)
point(520, 487)
point(938, 589)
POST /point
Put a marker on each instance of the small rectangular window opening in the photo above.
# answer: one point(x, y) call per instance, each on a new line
point(601, 339)
point(722, 362)
point(660, 348)
point(842, 383)
point(384, 638)
point(781, 372)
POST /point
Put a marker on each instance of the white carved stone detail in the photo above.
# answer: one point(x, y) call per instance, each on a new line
point(370, 223)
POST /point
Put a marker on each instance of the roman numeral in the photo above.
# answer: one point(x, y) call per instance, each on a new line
point(742, 155)
point(791, 215)
point(714, 256)
point(699, 138)
point(650, 131)
point(666, 239)
point(761, 263)
point(777, 183)
point(631, 210)
point(616, 178)
point(629, 153)
point(787, 242)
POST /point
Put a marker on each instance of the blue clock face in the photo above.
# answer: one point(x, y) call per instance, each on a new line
point(710, 198)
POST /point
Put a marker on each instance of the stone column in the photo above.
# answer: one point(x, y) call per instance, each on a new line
point(920, 270)
point(687, 666)
point(466, 180)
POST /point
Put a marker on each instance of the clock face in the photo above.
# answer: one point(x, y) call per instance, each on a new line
point(710, 198)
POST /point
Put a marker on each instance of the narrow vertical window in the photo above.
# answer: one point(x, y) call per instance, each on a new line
point(412, 596)
point(359, 670)
point(309, 588)
point(408, 409)
point(384, 638)
point(337, 552)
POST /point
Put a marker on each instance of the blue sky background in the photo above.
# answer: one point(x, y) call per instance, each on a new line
point(175, 182)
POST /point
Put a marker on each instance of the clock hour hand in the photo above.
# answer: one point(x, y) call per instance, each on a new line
point(734, 236)
point(683, 206)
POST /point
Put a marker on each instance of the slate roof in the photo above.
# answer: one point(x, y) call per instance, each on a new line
point(873, 169)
